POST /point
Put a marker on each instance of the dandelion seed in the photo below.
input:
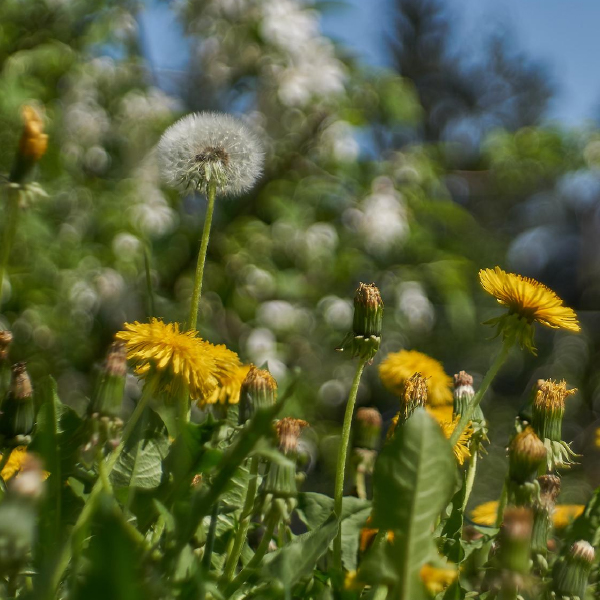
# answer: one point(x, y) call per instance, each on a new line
point(204, 149)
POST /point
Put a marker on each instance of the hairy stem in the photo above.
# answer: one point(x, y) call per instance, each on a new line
point(342, 458)
point(212, 192)
point(485, 384)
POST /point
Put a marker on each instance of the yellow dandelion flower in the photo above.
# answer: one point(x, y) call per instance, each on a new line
point(351, 581)
point(565, 513)
point(441, 413)
point(18, 457)
point(400, 366)
point(485, 514)
point(162, 347)
point(529, 299)
point(34, 141)
point(437, 579)
point(461, 448)
point(228, 391)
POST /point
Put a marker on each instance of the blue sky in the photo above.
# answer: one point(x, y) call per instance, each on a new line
point(563, 34)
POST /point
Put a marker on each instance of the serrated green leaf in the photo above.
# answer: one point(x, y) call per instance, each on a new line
point(412, 482)
point(297, 559)
point(140, 465)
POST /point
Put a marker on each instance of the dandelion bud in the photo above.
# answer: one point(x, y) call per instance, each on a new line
point(281, 486)
point(365, 338)
point(548, 410)
point(463, 391)
point(543, 508)
point(6, 338)
point(571, 572)
point(414, 395)
point(18, 410)
point(526, 453)
point(32, 146)
point(258, 391)
point(514, 539)
point(367, 428)
point(108, 396)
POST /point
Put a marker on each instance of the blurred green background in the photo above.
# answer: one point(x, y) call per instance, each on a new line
point(413, 177)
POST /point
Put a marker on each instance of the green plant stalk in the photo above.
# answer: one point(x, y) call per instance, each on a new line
point(8, 235)
point(211, 195)
point(245, 515)
point(149, 291)
point(209, 545)
point(502, 504)
point(485, 384)
point(89, 507)
point(245, 573)
point(470, 475)
point(361, 485)
point(341, 463)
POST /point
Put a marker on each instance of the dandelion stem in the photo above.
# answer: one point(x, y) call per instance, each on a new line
point(342, 458)
point(10, 228)
point(75, 537)
point(245, 573)
point(212, 192)
point(485, 384)
point(470, 475)
point(149, 291)
point(240, 537)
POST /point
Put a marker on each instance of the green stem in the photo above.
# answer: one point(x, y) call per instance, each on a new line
point(255, 560)
point(245, 515)
point(212, 192)
point(90, 506)
point(341, 463)
point(470, 475)
point(209, 545)
point(502, 505)
point(361, 485)
point(149, 291)
point(485, 384)
point(10, 229)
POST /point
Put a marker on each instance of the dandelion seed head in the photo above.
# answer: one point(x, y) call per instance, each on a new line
point(210, 148)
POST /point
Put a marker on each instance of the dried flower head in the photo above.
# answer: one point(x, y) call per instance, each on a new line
point(399, 366)
point(288, 433)
point(258, 391)
point(367, 428)
point(163, 348)
point(204, 149)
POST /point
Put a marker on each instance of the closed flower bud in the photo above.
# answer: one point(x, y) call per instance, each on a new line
point(571, 572)
point(526, 454)
point(32, 146)
point(548, 409)
point(463, 391)
point(288, 433)
point(514, 539)
point(543, 507)
point(18, 410)
point(367, 428)
point(108, 395)
point(365, 338)
point(258, 392)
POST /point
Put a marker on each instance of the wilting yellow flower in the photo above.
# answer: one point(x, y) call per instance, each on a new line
point(34, 141)
point(437, 579)
point(18, 457)
point(565, 513)
point(399, 366)
point(228, 391)
point(485, 514)
point(180, 354)
point(528, 298)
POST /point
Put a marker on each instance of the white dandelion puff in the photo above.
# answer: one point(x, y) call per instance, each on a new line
point(208, 148)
